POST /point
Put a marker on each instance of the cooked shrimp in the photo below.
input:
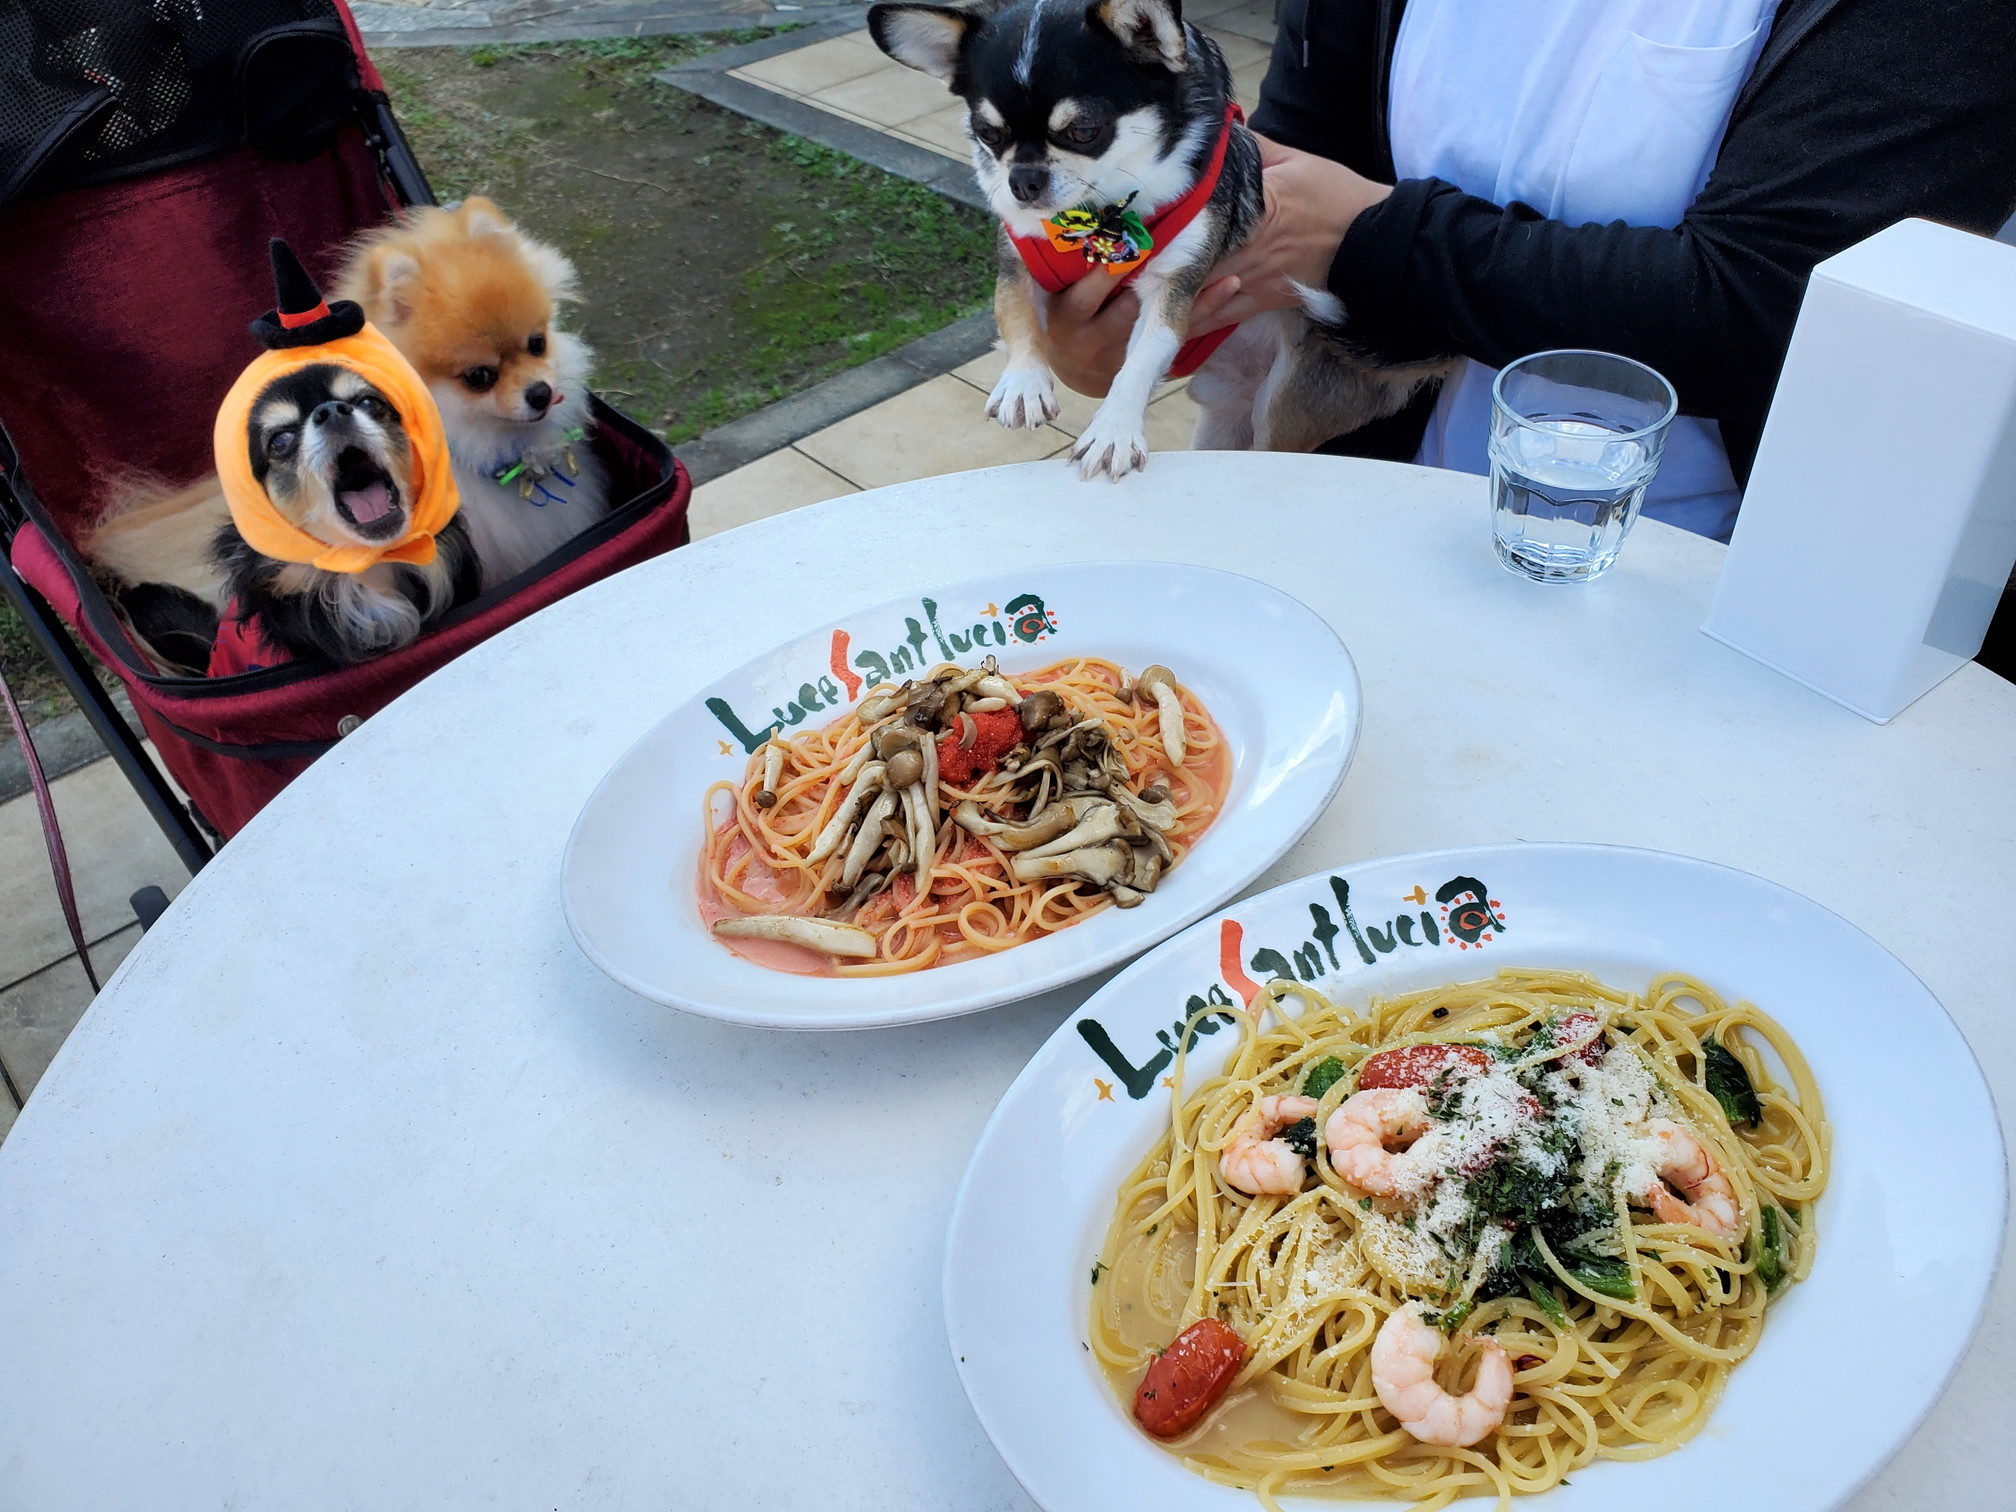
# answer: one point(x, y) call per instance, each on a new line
point(1686, 1163)
point(1358, 1134)
point(1256, 1162)
point(1403, 1373)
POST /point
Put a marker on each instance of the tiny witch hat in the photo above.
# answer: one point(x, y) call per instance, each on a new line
point(302, 330)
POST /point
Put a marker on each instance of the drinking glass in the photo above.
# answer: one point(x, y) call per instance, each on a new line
point(1575, 439)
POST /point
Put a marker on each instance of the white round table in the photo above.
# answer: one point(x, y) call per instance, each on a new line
point(359, 1187)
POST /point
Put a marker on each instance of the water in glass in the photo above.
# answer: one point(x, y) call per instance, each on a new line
point(1564, 493)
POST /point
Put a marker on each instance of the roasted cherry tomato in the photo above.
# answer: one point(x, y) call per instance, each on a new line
point(1188, 1379)
point(1579, 1026)
point(1419, 1065)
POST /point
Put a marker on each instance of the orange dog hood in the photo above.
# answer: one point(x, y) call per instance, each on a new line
point(301, 330)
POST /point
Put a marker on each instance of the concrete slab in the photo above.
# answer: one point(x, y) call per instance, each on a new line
point(37, 1014)
point(114, 850)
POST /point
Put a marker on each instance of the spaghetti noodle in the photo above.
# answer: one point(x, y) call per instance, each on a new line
point(1620, 1324)
point(1025, 804)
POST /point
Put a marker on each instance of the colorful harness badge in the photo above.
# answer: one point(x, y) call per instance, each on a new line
point(1110, 236)
point(534, 470)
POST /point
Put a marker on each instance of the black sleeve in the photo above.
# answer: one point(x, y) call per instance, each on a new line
point(1324, 82)
point(1882, 111)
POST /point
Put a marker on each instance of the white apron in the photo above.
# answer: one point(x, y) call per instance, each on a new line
point(1589, 111)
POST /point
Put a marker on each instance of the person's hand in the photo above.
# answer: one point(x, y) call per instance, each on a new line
point(1311, 203)
point(1089, 324)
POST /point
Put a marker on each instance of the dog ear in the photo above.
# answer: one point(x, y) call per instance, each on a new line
point(482, 217)
point(924, 37)
point(393, 276)
point(1150, 30)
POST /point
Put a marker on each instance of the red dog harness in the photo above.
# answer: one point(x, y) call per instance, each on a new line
point(1057, 266)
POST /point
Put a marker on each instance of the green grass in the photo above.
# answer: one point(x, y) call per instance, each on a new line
point(871, 262)
point(724, 265)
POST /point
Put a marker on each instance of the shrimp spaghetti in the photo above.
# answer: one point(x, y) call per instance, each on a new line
point(1464, 1242)
point(959, 815)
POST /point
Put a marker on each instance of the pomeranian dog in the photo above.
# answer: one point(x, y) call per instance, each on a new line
point(470, 300)
point(1089, 123)
point(333, 455)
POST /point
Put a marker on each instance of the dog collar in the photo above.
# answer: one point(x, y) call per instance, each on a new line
point(1088, 236)
point(1115, 238)
point(538, 466)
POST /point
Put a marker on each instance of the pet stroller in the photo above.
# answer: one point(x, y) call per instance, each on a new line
point(148, 149)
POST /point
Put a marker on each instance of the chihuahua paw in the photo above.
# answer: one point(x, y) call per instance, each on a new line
point(1113, 445)
point(1024, 399)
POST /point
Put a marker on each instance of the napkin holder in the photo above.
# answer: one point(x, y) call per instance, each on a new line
point(1879, 525)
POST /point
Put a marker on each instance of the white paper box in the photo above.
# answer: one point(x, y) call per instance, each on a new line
point(1879, 526)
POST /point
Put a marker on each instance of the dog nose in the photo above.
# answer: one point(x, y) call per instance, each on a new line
point(1027, 182)
point(538, 395)
point(332, 409)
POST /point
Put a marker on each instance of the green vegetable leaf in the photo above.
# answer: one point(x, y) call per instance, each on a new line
point(1300, 1136)
point(1365, 1203)
point(1544, 1299)
point(1771, 1251)
point(1098, 1270)
point(1730, 1083)
point(1322, 1076)
point(1451, 1320)
point(1602, 1274)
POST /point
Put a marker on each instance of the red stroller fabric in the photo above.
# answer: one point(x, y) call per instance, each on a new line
point(122, 322)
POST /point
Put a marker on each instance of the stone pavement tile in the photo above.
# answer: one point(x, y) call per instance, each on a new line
point(1203, 10)
point(1240, 52)
point(937, 427)
point(37, 1015)
point(1248, 20)
point(890, 95)
point(782, 481)
point(942, 131)
point(114, 850)
point(810, 69)
point(1172, 421)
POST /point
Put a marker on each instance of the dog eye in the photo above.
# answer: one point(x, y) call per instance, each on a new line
point(375, 407)
point(282, 442)
point(993, 136)
point(480, 378)
point(536, 344)
point(1082, 134)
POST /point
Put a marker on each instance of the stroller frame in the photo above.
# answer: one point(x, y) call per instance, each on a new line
point(194, 844)
point(152, 134)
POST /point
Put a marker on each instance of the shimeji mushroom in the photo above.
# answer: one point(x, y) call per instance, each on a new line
point(830, 838)
point(773, 773)
point(824, 935)
point(868, 839)
point(1159, 683)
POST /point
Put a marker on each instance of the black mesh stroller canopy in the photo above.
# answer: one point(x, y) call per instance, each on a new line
point(97, 90)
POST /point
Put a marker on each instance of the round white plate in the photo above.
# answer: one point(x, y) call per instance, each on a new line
point(1851, 1358)
point(1275, 677)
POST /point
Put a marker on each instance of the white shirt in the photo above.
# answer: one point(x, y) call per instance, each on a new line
point(1589, 111)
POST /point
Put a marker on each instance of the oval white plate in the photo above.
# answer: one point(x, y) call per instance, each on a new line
point(1851, 1359)
point(1275, 677)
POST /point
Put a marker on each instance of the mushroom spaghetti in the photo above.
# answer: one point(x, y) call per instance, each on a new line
point(959, 815)
point(1463, 1242)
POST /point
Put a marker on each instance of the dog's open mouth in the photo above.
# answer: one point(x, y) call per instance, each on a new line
point(366, 495)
